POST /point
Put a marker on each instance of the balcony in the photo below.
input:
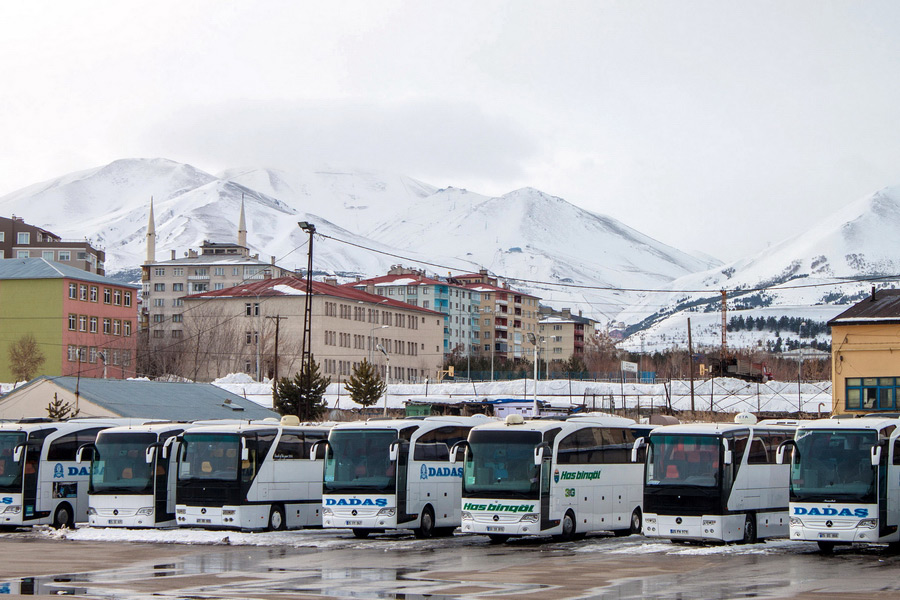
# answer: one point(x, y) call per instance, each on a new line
point(198, 277)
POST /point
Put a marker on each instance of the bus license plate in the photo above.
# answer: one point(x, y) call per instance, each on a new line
point(351, 523)
point(204, 520)
point(115, 521)
point(828, 535)
point(496, 528)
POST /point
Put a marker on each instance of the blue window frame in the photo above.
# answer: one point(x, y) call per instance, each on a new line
point(871, 393)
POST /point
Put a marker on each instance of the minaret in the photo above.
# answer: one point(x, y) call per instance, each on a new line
point(151, 236)
point(242, 226)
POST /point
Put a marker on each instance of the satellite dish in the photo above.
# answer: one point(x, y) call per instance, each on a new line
point(745, 418)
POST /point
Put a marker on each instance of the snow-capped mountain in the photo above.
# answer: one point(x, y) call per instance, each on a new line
point(385, 219)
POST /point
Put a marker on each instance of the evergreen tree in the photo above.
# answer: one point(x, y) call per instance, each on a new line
point(60, 410)
point(304, 395)
point(365, 384)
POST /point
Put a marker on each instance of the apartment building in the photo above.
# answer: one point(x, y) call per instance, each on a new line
point(459, 304)
point(563, 334)
point(507, 316)
point(257, 328)
point(84, 323)
point(214, 267)
point(18, 239)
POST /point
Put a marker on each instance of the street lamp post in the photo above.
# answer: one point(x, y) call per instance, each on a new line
point(533, 339)
point(387, 376)
point(800, 368)
point(372, 339)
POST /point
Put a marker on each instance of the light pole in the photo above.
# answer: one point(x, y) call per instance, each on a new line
point(306, 344)
point(372, 339)
point(800, 368)
point(387, 376)
point(533, 339)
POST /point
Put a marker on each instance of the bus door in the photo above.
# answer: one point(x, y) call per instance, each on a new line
point(546, 468)
point(402, 479)
point(884, 522)
point(31, 480)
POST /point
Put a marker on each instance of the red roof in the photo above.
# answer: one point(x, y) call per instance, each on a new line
point(295, 286)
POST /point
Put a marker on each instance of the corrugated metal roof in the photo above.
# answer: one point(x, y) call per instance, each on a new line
point(881, 307)
point(161, 400)
point(39, 268)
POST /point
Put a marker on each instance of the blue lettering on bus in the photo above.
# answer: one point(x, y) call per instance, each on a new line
point(426, 472)
point(76, 472)
point(859, 513)
point(6, 500)
point(381, 502)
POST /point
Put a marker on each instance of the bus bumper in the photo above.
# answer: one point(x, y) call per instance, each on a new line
point(704, 528)
point(488, 523)
point(835, 531)
point(360, 518)
point(142, 517)
point(223, 517)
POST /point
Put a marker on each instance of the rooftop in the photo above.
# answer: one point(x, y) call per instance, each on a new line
point(40, 268)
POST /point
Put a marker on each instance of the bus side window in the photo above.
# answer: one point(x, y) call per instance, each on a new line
point(896, 460)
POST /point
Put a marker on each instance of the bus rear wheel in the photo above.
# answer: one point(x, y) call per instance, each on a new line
point(426, 525)
point(64, 517)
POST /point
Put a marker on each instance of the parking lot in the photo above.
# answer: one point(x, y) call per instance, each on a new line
point(107, 563)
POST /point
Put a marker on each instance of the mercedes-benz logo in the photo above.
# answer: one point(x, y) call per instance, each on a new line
point(496, 517)
point(828, 523)
point(678, 521)
point(116, 511)
point(353, 512)
point(202, 511)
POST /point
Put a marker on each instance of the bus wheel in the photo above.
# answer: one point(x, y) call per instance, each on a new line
point(497, 538)
point(637, 522)
point(749, 530)
point(361, 534)
point(826, 547)
point(63, 517)
point(568, 528)
point(276, 518)
point(426, 526)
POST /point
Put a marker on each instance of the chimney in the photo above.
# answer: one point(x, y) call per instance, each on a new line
point(331, 280)
point(273, 259)
point(567, 313)
point(173, 255)
point(873, 294)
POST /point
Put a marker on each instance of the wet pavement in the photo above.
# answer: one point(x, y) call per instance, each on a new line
point(334, 564)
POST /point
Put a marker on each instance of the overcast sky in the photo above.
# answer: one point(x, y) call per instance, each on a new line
point(713, 126)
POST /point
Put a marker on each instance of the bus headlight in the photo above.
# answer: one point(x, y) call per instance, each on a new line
point(327, 512)
point(466, 515)
point(181, 511)
point(650, 520)
point(92, 510)
point(386, 512)
point(530, 518)
point(796, 522)
point(148, 511)
point(14, 510)
point(868, 524)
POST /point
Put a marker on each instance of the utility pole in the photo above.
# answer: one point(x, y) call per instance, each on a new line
point(277, 319)
point(306, 343)
point(691, 363)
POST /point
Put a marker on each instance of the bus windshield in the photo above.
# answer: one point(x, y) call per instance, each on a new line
point(683, 460)
point(834, 465)
point(120, 464)
point(359, 461)
point(10, 472)
point(210, 457)
point(500, 463)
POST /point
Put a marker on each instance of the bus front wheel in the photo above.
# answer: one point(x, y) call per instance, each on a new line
point(64, 517)
point(361, 534)
point(826, 547)
point(426, 525)
point(568, 527)
point(749, 530)
point(497, 538)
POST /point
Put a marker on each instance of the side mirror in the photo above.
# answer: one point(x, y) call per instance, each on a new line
point(394, 450)
point(876, 455)
point(150, 453)
point(782, 447)
point(17, 453)
point(318, 449)
point(638, 444)
point(245, 452)
point(728, 456)
point(539, 452)
point(456, 449)
point(79, 454)
point(167, 445)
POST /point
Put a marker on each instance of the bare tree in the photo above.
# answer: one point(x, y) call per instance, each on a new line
point(25, 358)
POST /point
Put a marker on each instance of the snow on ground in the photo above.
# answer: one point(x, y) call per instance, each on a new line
point(723, 394)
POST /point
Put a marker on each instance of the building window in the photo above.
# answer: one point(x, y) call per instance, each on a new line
point(126, 328)
point(159, 302)
point(107, 296)
point(93, 325)
point(220, 271)
point(47, 254)
point(23, 254)
point(73, 291)
point(236, 271)
point(158, 333)
point(178, 271)
point(158, 318)
point(127, 298)
point(82, 323)
point(106, 326)
point(197, 288)
point(117, 327)
point(159, 287)
point(117, 297)
point(176, 333)
point(872, 393)
point(73, 322)
point(177, 318)
point(95, 293)
point(177, 302)
point(252, 310)
point(93, 355)
point(23, 237)
point(73, 353)
point(218, 286)
point(2, 236)
point(177, 287)
point(159, 272)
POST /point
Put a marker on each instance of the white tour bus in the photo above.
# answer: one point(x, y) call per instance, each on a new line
point(256, 475)
point(394, 474)
point(551, 477)
point(40, 480)
point(132, 482)
point(716, 482)
point(845, 481)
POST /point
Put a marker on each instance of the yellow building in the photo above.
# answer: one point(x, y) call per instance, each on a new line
point(865, 355)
